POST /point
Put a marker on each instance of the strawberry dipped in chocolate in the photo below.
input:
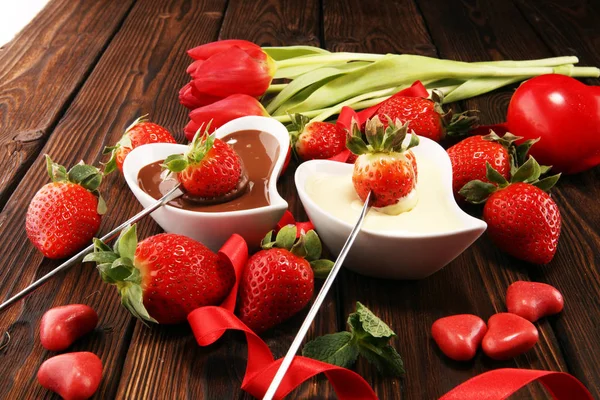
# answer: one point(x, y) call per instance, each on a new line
point(385, 166)
point(210, 172)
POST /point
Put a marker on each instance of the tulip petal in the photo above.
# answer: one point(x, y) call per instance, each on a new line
point(207, 50)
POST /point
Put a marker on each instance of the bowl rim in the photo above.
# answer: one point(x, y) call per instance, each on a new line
point(273, 127)
point(302, 173)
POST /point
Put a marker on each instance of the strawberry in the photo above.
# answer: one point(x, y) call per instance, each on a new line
point(210, 167)
point(64, 215)
point(74, 376)
point(316, 140)
point(523, 220)
point(425, 117)
point(385, 166)
point(164, 277)
point(469, 157)
point(61, 326)
point(138, 133)
point(278, 281)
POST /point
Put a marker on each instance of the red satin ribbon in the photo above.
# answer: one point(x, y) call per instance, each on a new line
point(209, 323)
point(288, 219)
point(501, 383)
point(348, 114)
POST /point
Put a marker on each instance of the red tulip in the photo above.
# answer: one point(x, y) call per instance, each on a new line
point(209, 49)
point(223, 111)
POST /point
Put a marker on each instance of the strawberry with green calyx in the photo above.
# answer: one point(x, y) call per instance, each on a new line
point(426, 117)
point(523, 220)
point(164, 277)
point(385, 166)
point(64, 215)
point(140, 132)
point(316, 140)
point(278, 281)
point(469, 156)
point(368, 337)
point(210, 168)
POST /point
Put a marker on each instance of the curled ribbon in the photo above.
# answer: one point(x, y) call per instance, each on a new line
point(210, 323)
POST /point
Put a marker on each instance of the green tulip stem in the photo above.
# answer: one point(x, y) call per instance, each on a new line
point(276, 87)
point(327, 59)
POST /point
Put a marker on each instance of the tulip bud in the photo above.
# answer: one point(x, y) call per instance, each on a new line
point(207, 50)
point(233, 71)
point(223, 111)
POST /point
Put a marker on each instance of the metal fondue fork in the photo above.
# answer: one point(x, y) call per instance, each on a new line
point(287, 361)
point(170, 195)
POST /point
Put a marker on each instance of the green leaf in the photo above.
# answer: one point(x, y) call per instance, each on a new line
point(312, 243)
point(299, 248)
point(544, 169)
point(414, 141)
point(101, 209)
point(336, 348)
point(132, 299)
point(477, 191)
point(494, 176)
point(92, 182)
point(267, 242)
point(321, 268)
point(356, 145)
point(286, 237)
point(57, 172)
point(81, 172)
point(371, 323)
point(175, 163)
point(547, 183)
point(101, 257)
point(127, 242)
point(528, 172)
point(523, 149)
point(287, 52)
point(386, 359)
point(111, 165)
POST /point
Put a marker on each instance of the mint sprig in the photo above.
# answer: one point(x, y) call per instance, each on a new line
point(368, 337)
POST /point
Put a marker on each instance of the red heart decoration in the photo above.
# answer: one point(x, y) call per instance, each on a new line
point(73, 376)
point(508, 336)
point(533, 300)
point(459, 336)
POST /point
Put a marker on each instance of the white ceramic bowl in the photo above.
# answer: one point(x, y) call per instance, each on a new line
point(392, 254)
point(214, 228)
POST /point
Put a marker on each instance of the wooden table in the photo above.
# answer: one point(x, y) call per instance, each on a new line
point(83, 70)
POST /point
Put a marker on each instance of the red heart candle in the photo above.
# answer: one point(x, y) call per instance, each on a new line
point(508, 336)
point(533, 300)
point(459, 336)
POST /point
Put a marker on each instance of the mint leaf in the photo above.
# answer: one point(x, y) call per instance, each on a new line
point(336, 348)
point(372, 324)
point(386, 359)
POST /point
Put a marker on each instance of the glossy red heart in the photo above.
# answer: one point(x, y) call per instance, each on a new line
point(74, 376)
point(533, 300)
point(508, 336)
point(459, 336)
point(61, 326)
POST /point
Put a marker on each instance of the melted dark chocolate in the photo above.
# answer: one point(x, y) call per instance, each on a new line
point(258, 151)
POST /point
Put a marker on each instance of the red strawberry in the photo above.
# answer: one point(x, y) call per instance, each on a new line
point(469, 156)
point(522, 218)
point(386, 166)
point(278, 281)
point(316, 140)
point(164, 277)
point(74, 376)
point(139, 133)
point(210, 168)
point(425, 117)
point(61, 326)
point(64, 215)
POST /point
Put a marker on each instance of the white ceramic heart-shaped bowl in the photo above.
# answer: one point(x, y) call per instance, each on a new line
point(214, 228)
point(396, 254)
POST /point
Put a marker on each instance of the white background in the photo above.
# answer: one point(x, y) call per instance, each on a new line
point(15, 15)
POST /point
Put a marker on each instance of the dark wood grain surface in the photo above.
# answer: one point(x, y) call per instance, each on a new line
point(83, 70)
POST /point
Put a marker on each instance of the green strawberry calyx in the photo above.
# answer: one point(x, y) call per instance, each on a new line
point(307, 246)
point(478, 192)
point(125, 141)
point(455, 124)
point(86, 176)
point(298, 123)
point(368, 337)
point(117, 267)
point(518, 154)
point(200, 145)
point(380, 139)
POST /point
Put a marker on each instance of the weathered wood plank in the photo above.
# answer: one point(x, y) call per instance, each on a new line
point(140, 72)
point(166, 362)
point(41, 70)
